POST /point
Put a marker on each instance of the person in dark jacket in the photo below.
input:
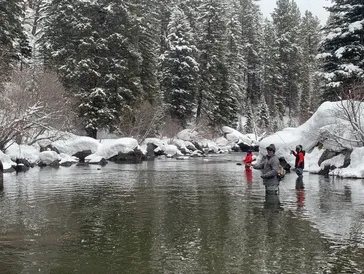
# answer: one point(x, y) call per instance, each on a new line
point(300, 160)
point(270, 168)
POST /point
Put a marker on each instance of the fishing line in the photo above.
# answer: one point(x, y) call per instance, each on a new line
point(283, 141)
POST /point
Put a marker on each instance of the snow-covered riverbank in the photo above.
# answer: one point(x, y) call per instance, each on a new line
point(327, 137)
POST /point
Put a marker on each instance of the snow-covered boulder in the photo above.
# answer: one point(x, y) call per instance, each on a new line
point(356, 167)
point(118, 150)
point(7, 162)
point(67, 160)
point(111, 147)
point(188, 135)
point(155, 141)
point(172, 151)
point(236, 137)
point(96, 160)
point(29, 153)
point(208, 146)
point(180, 144)
point(76, 144)
point(49, 158)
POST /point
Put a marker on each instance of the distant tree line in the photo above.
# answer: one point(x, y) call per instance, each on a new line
point(194, 61)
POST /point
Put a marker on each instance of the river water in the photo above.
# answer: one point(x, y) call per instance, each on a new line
point(204, 215)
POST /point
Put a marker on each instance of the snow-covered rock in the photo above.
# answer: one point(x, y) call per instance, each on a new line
point(6, 161)
point(111, 147)
point(188, 135)
point(236, 137)
point(356, 167)
point(172, 150)
point(29, 153)
point(48, 158)
point(76, 144)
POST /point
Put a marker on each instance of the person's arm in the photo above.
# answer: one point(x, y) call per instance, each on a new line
point(275, 168)
point(259, 165)
point(294, 153)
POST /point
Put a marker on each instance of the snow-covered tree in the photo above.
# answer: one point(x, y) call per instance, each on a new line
point(342, 50)
point(34, 16)
point(286, 20)
point(213, 99)
point(144, 32)
point(179, 69)
point(235, 59)
point(249, 126)
point(33, 104)
point(86, 42)
point(271, 78)
point(14, 43)
point(263, 122)
point(251, 32)
point(310, 88)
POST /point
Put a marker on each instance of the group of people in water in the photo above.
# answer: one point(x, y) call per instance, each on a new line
point(272, 172)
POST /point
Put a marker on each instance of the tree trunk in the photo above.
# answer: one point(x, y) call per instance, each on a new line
point(91, 132)
point(1, 176)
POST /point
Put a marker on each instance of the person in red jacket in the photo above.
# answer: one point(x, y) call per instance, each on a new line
point(300, 160)
point(248, 159)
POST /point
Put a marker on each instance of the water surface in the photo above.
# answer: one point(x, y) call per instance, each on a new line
point(170, 216)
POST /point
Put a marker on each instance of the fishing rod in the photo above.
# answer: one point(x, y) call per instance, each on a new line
point(283, 141)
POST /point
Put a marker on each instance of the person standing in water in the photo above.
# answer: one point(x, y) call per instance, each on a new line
point(270, 169)
point(300, 160)
point(248, 159)
point(299, 166)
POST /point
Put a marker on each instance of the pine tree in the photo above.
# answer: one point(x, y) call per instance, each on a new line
point(86, 42)
point(179, 69)
point(213, 99)
point(286, 19)
point(235, 60)
point(310, 37)
point(251, 28)
point(263, 115)
point(14, 44)
point(249, 126)
point(271, 78)
point(144, 31)
point(342, 51)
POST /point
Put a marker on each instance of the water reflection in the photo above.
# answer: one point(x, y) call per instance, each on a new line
point(169, 217)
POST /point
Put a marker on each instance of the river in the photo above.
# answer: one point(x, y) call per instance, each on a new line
point(204, 215)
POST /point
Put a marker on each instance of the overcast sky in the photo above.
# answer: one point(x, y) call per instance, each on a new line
point(315, 6)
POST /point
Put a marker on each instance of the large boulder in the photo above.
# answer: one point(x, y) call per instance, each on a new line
point(135, 156)
point(328, 154)
point(150, 153)
point(49, 158)
point(81, 155)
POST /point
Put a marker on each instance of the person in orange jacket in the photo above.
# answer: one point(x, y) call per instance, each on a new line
point(248, 159)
